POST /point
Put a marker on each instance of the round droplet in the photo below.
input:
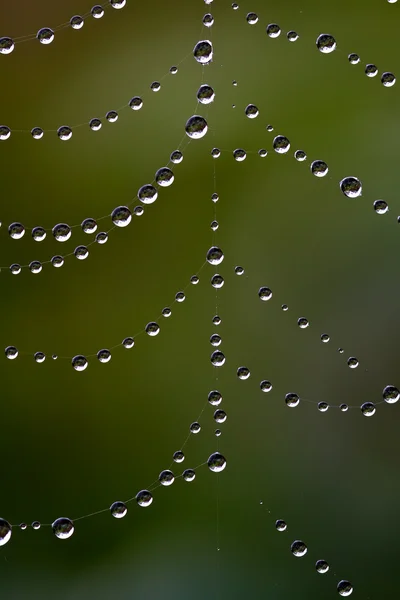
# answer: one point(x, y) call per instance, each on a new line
point(118, 3)
point(265, 385)
point(344, 407)
point(76, 22)
point(352, 362)
point(273, 30)
point(217, 358)
point(216, 320)
point(220, 416)
point(195, 427)
point(180, 297)
point(57, 261)
point(344, 588)
point(281, 144)
point(205, 94)
point(79, 362)
point(35, 525)
point(196, 127)
point(38, 234)
point(188, 475)
point(194, 280)
point(388, 79)
point(136, 103)
point(323, 406)
point(35, 267)
point(81, 252)
point(280, 525)
point(264, 294)
point(203, 52)
point(235, 6)
point(262, 153)
point(218, 432)
point(118, 510)
point(326, 43)
point(5, 132)
point(176, 157)
point(62, 232)
point(216, 462)
point(121, 216)
point(340, 350)
point(298, 548)
point(95, 124)
point(54, 356)
point(138, 211)
point(6, 45)
point(354, 59)
point(217, 281)
point(147, 194)
point(208, 20)
point(371, 70)
point(214, 197)
point(144, 498)
point(292, 400)
point(164, 177)
point(215, 152)
point(63, 528)
point(243, 373)
point(319, 168)
point(239, 154)
point(112, 116)
point(45, 35)
point(155, 86)
point(252, 18)
point(166, 312)
point(325, 338)
point(381, 207)
point(292, 36)
point(215, 398)
point(152, 329)
point(102, 237)
point(214, 225)
point(15, 269)
point(39, 357)
point(391, 394)
point(302, 323)
point(351, 187)
point(285, 307)
point(215, 340)
point(322, 566)
point(89, 226)
point(215, 256)
point(64, 133)
point(23, 526)
point(37, 133)
point(251, 111)
point(16, 231)
point(128, 343)
point(166, 478)
point(97, 11)
point(300, 155)
point(104, 356)
point(239, 270)
point(368, 409)
point(178, 456)
point(5, 532)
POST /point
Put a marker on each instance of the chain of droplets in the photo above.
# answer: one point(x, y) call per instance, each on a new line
point(299, 549)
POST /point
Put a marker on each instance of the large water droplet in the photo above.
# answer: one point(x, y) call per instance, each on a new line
point(144, 498)
point(215, 256)
point(351, 187)
point(326, 43)
point(118, 510)
point(121, 216)
point(298, 548)
point(62, 232)
point(5, 532)
point(216, 462)
point(344, 588)
point(63, 528)
point(203, 52)
point(391, 394)
point(196, 127)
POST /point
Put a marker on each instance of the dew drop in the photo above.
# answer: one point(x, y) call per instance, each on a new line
point(264, 294)
point(352, 362)
point(147, 194)
point(62, 232)
point(280, 525)
point(136, 103)
point(368, 409)
point(128, 343)
point(265, 385)
point(16, 231)
point(344, 588)
point(216, 320)
point(215, 398)
point(166, 312)
point(292, 36)
point(5, 532)
point(35, 267)
point(194, 280)
point(208, 20)
point(152, 329)
point(195, 427)
point(144, 498)
point(319, 168)
point(57, 261)
point(104, 356)
point(97, 11)
point(239, 270)
point(37, 133)
point(322, 566)
point(205, 94)
point(380, 207)
point(6, 45)
point(303, 323)
point(203, 52)
point(39, 357)
point(121, 216)
point(36, 525)
point(196, 127)
point(217, 281)
point(215, 256)
point(354, 59)
point(5, 132)
point(118, 3)
point(298, 548)
point(215, 340)
point(281, 144)
point(292, 400)
point(188, 475)
point(38, 234)
point(180, 297)
point(95, 124)
point(166, 478)
point(79, 362)
point(326, 43)
point(325, 338)
point(300, 155)
point(76, 22)
point(178, 456)
point(388, 79)
point(81, 252)
point(344, 407)
point(45, 35)
point(217, 358)
point(371, 70)
point(63, 528)
point(262, 153)
point(323, 406)
point(118, 510)
point(251, 111)
point(216, 462)
point(351, 187)
point(89, 226)
point(239, 154)
point(176, 157)
point(64, 133)
point(243, 373)
point(102, 237)
point(164, 177)
point(252, 18)
point(215, 152)
point(112, 116)
point(273, 30)
point(391, 394)
point(15, 269)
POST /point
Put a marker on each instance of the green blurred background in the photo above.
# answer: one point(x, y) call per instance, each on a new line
point(73, 443)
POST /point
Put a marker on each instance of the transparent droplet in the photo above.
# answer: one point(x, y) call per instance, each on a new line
point(351, 187)
point(104, 356)
point(323, 406)
point(215, 256)
point(5, 532)
point(164, 177)
point(57, 261)
point(89, 226)
point(76, 22)
point(251, 111)
point(35, 267)
point(188, 475)
point(322, 566)
point(298, 548)
point(302, 323)
point(152, 329)
point(239, 154)
point(243, 373)
point(128, 343)
point(39, 357)
point(292, 36)
point(95, 124)
point(391, 394)
point(196, 127)
point(79, 362)
point(235, 6)
point(216, 462)
point(300, 155)
point(178, 456)
point(45, 35)
point(281, 144)
point(269, 128)
point(37, 133)
point(97, 11)
point(63, 528)
point(262, 153)
point(280, 525)
point(180, 297)
point(252, 18)
point(214, 225)
point(344, 407)
point(15, 269)
point(215, 197)
point(147, 194)
point(194, 280)
point(319, 168)
point(217, 358)
point(16, 231)
point(144, 498)
point(6, 45)
point(388, 79)
point(138, 211)
point(176, 157)
point(173, 70)
point(264, 294)
point(344, 588)
point(265, 385)
point(285, 307)
point(121, 216)
point(216, 320)
point(62, 232)
point(340, 350)
point(5, 132)
point(203, 52)
point(118, 510)
point(352, 362)
point(368, 409)
point(239, 270)
point(118, 3)
point(326, 43)
point(215, 152)
point(136, 103)
point(112, 116)
point(220, 416)
point(23, 526)
point(166, 312)
point(325, 338)
point(215, 398)
point(166, 478)
point(54, 356)
point(217, 281)
point(218, 432)
point(215, 340)
point(354, 59)
point(64, 133)
point(38, 234)
point(102, 237)
point(381, 207)
point(36, 525)
point(273, 30)
point(371, 70)
point(195, 427)
point(11, 352)
point(81, 252)
point(205, 94)
point(292, 400)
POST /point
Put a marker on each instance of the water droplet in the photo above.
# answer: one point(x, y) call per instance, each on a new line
point(217, 281)
point(63, 528)
point(76, 22)
point(128, 343)
point(205, 94)
point(166, 478)
point(340, 350)
point(104, 356)
point(196, 127)
point(216, 320)
point(152, 329)
point(351, 187)
point(265, 385)
point(264, 294)
point(215, 197)
point(178, 456)
point(38, 234)
point(121, 216)
point(344, 588)
point(180, 297)
point(239, 270)
point(118, 510)
point(300, 155)
point(194, 280)
point(15, 269)
point(23, 526)
point(326, 43)
point(352, 362)
point(89, 226)
point(144, 498)
point(45, 35)
point(35, 267)
point(214, 225)
point(64, 133)
point(302, 323)
point(138, 211)
point(188, 475)
point(97, 11)
point(62, 232)
point(81, 252)
point(281, 144)
point(5, 532)
point(262, 153)
point(217, 358)
point(35, 525)
point(239, 154)
point(252, 18)
point(155, 86)
point(292, 36)
point(6, 45)
point(273, 30)
point(322, 566)
point(215, 340)
point(292, 400)
point(235, 6)
point(147, 194)
point(325, 338)
point(203, 52)
point(215, 256)
point(5, 132)
point(354, 59)
point(216, 462)
point(166, 312)
point(164, 177)
point(39, 357)
point(176, 157)
point(37, 133)
point(102, 237)
point(95, 124)
point(57, 261)
point(136, 103)
point(323, 406)
point(368, 409)
point(112, 116)
point(380, 207)
point(215, 152)
point(118, 3)
point(388, 79)
point(344, 407)
point(252, 111)
point(79, 362)
point(280, 525)
point(195, 427)
point(371, 70)
point(54, 356)
point(319, 168)
point(16, 231)
point(285, 307)
point(243, 373)
point(298, 548)
point(220, 416)
point(391, 394)
point(215, 398)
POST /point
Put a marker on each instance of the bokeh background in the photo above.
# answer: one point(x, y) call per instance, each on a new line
point(72, 443)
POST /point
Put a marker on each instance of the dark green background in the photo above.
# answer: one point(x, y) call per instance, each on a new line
point(73, 443)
